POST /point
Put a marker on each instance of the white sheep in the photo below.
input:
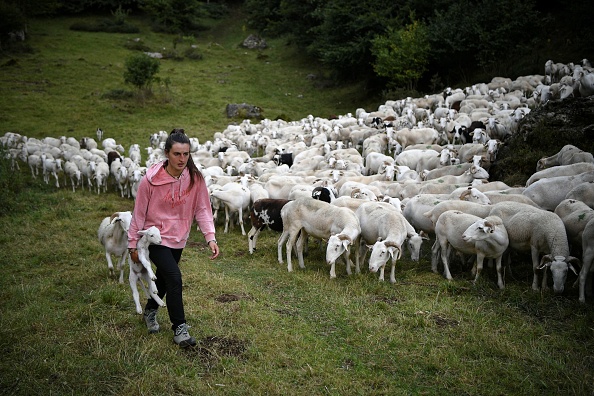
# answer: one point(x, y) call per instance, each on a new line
point(575, 215)
point(540, 232)
point(113, 235)
point(549, 192)
point(71, 170)
point(583, 192)
point(473, 173)
point(561, 170)
point(569, 154)
point(469, 234)
point(386, 229)
point(100, 176)
point(236, 199)
point(51, 166)
point(308, 216)
point(141, 273)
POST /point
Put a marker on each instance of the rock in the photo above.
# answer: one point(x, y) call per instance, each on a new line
point(254, 42)
point(243, 110)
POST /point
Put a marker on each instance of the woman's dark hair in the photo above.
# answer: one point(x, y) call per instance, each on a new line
point(178, 135)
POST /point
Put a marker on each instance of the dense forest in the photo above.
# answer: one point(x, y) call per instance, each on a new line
point(415, 45)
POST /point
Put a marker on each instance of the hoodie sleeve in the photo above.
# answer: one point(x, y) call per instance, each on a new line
point(139, 213)
point(203, 213)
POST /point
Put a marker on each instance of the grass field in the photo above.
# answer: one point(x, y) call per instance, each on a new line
point(67, 327)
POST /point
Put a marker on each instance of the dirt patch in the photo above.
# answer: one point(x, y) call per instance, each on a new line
point(385, 299)
point(229, 297)
point(444, 322)
point(211, 349)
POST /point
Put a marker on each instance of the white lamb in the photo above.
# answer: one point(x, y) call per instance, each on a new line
point(141, 273)
point(113, 235)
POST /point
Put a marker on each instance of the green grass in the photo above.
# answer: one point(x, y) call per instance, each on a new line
point(67, 327)
point(59, 89)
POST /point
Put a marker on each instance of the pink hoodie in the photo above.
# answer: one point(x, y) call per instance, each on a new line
point(166, 202)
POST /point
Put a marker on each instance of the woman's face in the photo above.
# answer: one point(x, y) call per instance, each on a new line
point(178, 156)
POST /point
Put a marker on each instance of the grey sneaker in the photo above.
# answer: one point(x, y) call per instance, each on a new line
point(182, 337)
point(150, 318)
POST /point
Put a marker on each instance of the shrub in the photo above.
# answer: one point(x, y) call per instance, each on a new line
point(192, 53)
point(137, 45)
point(117, 94)
point(106, 26)
point(141, 70)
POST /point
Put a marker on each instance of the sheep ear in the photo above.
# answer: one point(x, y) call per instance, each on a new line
point(573, 260)
point(544, 262)
point(142, 232)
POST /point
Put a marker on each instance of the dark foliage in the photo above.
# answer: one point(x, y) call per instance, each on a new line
point(105, 25)
point(542, 133)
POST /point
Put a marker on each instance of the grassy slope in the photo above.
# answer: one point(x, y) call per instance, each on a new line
point(66, 327)
point(51, 85)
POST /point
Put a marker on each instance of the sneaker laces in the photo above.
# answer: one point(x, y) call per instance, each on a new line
point(182, 329)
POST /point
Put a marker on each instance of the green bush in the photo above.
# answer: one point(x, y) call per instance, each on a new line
point(192, 53)
point(117, 94)
point(141, 70)
point(106, 26)
point(137, 46)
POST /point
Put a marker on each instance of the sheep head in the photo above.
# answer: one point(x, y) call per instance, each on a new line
point(337, 245)
point(381, 252)
point(559, 265)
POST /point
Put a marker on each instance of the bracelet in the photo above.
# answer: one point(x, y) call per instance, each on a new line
point(213, 240)
point(131, 250)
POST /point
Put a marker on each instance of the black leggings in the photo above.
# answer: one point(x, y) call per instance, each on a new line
point(169, 282)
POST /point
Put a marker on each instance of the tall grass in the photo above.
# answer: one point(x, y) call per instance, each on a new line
point(67, 327)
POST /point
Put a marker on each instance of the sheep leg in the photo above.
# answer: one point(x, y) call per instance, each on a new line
point(333, 270)
point(299, 248)
point(587, 258)
point(393, 271)
point(289, 248)
point(154, 293)
point(226, 220)
point(435, 253)
point(109, 263)
point(252, 238)
point(479, 265)
point(499, 274)
point(444, 259)
point(535, 269)
point(382, 268)
point(241, 221)
point(347, 259)
point(133, 279)
point(121, 265)
point(149, 270)
point(281, 240)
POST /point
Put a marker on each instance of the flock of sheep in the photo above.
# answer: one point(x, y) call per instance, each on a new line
point(375, 181)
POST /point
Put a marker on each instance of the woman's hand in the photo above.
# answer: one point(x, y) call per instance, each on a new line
point(214, 248)
point(134, 255)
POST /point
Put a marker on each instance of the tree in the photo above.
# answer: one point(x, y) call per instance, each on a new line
point(173, 16)
point(141, 70)
point(401, 56)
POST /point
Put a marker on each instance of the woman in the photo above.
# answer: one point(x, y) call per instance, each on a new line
point(170, 196)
